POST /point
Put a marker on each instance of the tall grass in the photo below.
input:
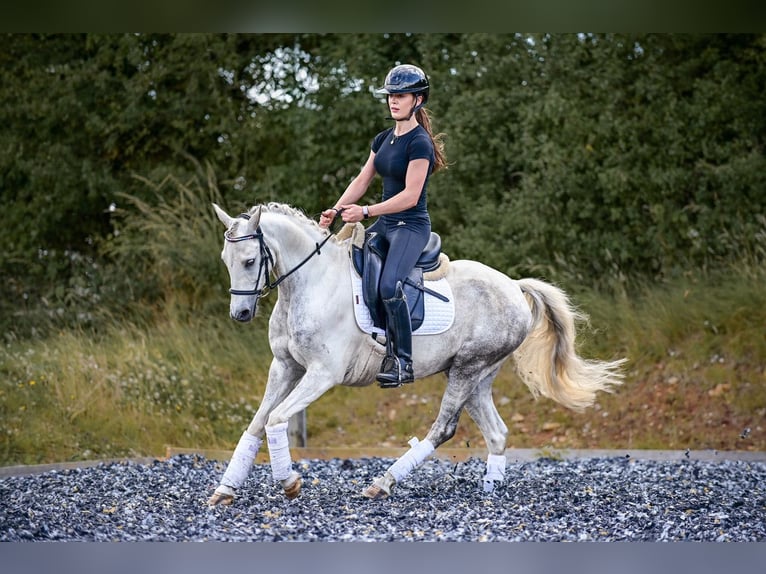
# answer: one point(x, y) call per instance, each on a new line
point(130, 392)
point(720, 312)
point(173, 244)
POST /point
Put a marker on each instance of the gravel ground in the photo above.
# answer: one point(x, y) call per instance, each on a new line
point(599, 499)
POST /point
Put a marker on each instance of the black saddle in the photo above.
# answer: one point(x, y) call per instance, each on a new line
point(368, 262)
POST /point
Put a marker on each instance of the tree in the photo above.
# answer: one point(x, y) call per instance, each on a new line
point(590, 159)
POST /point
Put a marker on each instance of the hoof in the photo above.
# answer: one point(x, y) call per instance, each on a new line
point(294, 489)
point(375, 492)
point(488, 486)
point(381, 488)
point(220, 499)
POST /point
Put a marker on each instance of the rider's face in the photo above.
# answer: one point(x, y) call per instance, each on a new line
point(400, 105)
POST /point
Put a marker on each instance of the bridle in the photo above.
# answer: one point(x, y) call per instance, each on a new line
point(266, 265)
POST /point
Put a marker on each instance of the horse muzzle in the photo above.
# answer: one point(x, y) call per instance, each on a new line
point(243, 313)
point(243, 309)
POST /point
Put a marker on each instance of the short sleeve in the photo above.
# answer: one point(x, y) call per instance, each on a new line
point(421, 147)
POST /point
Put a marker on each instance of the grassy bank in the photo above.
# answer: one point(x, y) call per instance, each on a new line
point(695, 379)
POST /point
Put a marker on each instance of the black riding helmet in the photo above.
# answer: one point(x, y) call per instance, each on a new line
point(406, 79)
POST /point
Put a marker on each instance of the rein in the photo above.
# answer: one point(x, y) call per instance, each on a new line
point(267, 262)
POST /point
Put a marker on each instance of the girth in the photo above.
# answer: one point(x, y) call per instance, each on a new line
point(368, 262)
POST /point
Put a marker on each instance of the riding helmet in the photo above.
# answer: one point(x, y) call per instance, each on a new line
point(406, 79)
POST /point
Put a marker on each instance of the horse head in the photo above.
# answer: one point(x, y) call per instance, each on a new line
point(247, 259)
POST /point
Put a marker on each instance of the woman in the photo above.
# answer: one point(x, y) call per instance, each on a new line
point(404, 156)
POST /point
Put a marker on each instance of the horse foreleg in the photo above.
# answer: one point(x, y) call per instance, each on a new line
point(405, 464)
point(312, 386)
point(282, 378)
point(236, 472)
point(281, 463)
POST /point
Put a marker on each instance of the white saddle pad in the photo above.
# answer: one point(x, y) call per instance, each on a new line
point(438, 315)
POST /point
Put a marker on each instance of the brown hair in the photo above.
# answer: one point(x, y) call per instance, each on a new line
point(424, 119)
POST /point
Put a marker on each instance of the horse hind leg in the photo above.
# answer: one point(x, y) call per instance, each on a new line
point(455, 396)
point(481, 408)
point(409, 461)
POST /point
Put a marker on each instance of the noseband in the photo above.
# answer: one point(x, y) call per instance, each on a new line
point(266, 264)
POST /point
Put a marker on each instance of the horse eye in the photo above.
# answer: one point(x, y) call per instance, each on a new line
point(249, 262)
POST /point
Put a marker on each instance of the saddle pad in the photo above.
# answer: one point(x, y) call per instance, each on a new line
point(438, 315)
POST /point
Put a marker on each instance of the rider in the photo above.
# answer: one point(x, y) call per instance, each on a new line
point(404, 156)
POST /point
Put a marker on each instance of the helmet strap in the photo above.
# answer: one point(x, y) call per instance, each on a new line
point(415, 109)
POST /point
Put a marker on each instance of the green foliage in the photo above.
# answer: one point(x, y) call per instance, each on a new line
point(595, 160)
point(621, 159)
point(629, 168)
point(172, 245)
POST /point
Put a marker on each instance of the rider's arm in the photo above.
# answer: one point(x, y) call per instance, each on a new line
point(355, 190)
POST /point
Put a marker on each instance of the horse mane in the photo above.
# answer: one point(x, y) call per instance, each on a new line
point(283, 209)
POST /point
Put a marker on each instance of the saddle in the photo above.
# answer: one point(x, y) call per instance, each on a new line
point(368, 262)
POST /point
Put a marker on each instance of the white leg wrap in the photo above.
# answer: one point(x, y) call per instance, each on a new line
point(279, 451)
point(241, 461)
point(411, 459)
point(495, 471)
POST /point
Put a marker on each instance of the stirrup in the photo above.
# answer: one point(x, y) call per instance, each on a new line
point(393, 374)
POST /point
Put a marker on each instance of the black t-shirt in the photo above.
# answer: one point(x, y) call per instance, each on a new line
point(392, 157)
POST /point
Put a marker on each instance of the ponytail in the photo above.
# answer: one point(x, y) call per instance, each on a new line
point(440, 159)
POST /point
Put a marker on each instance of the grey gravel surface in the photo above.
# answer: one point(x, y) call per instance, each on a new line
point(599, 499)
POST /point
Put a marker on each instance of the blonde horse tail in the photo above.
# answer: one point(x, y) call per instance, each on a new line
point(547, 360)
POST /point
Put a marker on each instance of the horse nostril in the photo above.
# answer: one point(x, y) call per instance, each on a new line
point(243, 315)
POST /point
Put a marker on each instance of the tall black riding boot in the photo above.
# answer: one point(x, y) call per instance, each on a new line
point(396, 368)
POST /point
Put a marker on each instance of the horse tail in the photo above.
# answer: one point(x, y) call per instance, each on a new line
point(547, 360)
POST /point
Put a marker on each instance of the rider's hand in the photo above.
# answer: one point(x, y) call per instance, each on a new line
point(351, 213)
point(327, 217)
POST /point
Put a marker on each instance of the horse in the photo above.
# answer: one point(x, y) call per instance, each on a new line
point(317, 344)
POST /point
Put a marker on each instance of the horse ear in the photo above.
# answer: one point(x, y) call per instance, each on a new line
point(255, 219)
point(223, 216)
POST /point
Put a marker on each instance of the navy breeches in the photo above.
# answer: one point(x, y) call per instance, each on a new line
point(405, 244)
